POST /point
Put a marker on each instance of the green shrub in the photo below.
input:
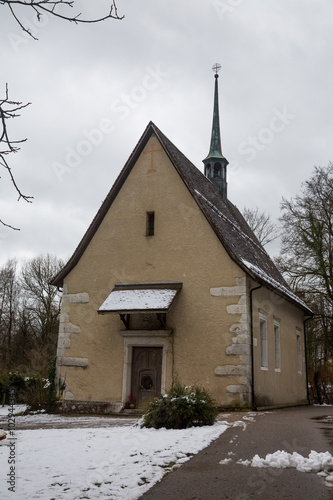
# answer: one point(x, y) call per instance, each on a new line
point(11, 380)
point(51, 388)
point(33, 390)
point(180, 408)
point(34, 395)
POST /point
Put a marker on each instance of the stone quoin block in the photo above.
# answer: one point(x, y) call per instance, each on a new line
point(81, 362)
point(78, 298)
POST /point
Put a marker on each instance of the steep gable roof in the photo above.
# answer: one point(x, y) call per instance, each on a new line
point(226, 220)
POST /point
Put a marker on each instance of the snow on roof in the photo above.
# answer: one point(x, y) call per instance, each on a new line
point(271, 281)
point(234, 226)
point(150, 299)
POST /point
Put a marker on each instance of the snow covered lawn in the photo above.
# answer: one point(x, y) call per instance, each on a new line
point(119, 462)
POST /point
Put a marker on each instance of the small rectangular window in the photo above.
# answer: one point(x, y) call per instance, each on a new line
point(299, 350)
point(150, 224)
point(263, 341)
point(277, 345)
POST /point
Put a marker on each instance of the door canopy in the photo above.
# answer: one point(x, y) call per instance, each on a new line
point(141, 298)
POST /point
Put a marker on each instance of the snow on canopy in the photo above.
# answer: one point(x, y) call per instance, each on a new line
point(139, 300)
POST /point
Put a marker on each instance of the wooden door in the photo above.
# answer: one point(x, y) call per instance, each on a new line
point(146, 373)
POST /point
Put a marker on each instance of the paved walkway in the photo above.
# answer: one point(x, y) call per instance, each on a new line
point(294, 429)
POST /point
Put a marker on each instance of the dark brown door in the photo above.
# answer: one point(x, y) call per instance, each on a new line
point(146, 373)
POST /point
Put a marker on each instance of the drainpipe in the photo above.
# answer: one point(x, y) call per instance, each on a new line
point(306, 359)
point(252, 360)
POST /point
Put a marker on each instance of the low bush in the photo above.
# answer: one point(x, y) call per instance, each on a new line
point(33, 390)
point(180, 408)
point(11, 381)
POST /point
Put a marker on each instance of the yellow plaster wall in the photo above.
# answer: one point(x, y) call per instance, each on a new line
point(271, 386)
point(183, 249)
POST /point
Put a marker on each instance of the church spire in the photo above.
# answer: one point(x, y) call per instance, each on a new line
point(215, 163)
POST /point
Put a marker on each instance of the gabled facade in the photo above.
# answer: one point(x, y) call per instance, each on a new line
point(169, 283)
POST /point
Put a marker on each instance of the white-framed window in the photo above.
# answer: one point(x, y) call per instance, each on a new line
point(263, 340)
point(299, 350)
point(277, 345)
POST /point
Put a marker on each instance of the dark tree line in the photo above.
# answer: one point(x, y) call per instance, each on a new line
point(29, 315)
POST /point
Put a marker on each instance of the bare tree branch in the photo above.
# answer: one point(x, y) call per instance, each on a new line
point(10, 109)
point(8, 225)
point(42, 7)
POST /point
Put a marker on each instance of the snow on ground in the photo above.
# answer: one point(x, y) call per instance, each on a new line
point(48, 421)
point(94, 463)
point(16, 409)
point(322, 463)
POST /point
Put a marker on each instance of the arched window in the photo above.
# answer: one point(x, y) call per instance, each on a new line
point(217, 170)
point(207, 173)
point(223, 172)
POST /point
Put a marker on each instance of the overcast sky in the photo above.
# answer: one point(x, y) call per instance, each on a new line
point(94, 88)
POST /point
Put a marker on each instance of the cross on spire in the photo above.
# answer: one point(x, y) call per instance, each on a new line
point(216, 68)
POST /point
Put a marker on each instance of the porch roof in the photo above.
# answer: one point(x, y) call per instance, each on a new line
point(126, 299)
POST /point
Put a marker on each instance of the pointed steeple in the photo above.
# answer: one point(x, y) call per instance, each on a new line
point(215, 163)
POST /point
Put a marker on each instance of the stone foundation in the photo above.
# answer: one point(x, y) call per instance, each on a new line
point(88, 407)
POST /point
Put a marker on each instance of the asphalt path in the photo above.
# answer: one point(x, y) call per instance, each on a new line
point(300, 429)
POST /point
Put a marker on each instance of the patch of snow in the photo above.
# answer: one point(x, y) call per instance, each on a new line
point(16, 409)
point(243, 462)
point(250, 419)
point(225, 461)
point(315, 462)
point(239, 423)
point(117, 463)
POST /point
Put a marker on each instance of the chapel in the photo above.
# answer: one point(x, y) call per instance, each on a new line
point(169, 283)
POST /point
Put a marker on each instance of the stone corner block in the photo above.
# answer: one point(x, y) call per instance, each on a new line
point(230, 370)
point(81, 362)
point(79, 298)
point(238, 349)
point(237, 389)
point(69, 396)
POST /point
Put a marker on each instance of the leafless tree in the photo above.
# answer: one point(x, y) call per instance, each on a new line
point(29, 314)
point(10, 109)
point(261, 225)
point(9, 296)
point(307, 262)
point(41, 298)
